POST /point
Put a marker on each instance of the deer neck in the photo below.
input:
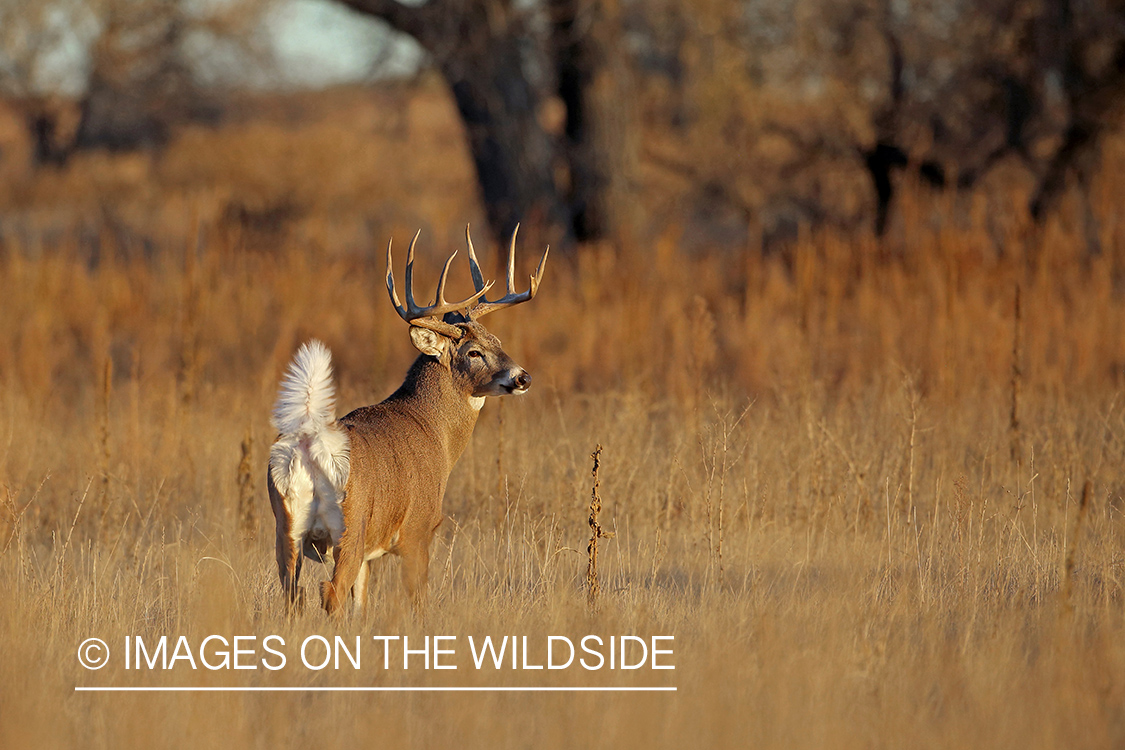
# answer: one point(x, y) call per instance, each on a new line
point(429, 395)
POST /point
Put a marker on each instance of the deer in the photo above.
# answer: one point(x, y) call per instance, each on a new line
point(372, 482)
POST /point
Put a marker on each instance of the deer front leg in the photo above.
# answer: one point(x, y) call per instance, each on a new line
point(415, 573)
point(414, 549)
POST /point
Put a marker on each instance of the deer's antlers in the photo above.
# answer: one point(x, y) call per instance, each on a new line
point(471, 308)
point(486, 306)
point(428, 317)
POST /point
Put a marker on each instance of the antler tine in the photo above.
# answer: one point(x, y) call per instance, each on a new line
point(441, 282)
point(511, 282)
point(391, 284)
point(539, 273)
point(487, 306)
point(474, 266)
point(410, 304)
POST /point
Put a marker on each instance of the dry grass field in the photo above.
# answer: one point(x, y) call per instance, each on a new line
point(874, 506)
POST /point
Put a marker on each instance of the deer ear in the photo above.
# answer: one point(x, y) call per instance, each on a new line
point(427, 341)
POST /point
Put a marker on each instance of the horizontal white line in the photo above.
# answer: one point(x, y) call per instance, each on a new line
point(439, 689)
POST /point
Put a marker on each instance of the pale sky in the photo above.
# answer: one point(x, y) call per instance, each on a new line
point(319, 42)
point(310, 43)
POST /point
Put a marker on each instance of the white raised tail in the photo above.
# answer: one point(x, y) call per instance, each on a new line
point(309, 463)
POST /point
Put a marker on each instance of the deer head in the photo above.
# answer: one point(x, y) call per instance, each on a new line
point(451, 332)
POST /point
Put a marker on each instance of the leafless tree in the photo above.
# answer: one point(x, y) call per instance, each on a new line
point(136, 78)
point(965, 88)
point(515, 70)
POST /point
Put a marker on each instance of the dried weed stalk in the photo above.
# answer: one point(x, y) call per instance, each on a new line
point(247, 516)
point(596, 533)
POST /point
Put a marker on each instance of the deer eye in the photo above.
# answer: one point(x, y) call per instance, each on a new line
point(475, 353)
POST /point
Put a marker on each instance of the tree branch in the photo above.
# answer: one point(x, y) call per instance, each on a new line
point(419, 21)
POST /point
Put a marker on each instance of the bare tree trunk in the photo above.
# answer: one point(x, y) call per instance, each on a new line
point(503, 67)
point(514, 157)
point(1079, 142)
point(594, 87)
point(499, 76)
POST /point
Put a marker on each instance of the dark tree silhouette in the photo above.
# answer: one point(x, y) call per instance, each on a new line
point(504, 63)
point(1036, 81)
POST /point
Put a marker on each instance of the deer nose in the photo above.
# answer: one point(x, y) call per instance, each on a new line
point(523, 380)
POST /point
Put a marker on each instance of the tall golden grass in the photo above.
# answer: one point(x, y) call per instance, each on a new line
point(806, 460)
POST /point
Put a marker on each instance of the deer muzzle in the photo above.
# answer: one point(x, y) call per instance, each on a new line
point(516, 380)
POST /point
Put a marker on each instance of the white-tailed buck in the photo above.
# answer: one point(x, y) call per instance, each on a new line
point(372, 482)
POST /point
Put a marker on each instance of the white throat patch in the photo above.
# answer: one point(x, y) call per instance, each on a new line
point(477, 402)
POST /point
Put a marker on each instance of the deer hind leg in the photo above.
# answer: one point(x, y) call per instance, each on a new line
point(289, 571)
point(349, 558)
point(359, 588)
point(288, 551)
